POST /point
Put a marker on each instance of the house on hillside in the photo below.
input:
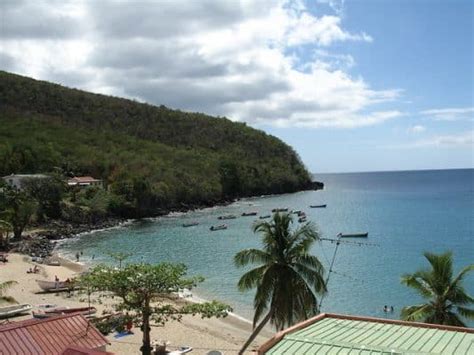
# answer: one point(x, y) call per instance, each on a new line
point(84, 181)
point(18, 180)
point(68, 334)
point(340, 334)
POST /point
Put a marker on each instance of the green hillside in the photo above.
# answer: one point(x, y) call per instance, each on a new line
point(151, 158)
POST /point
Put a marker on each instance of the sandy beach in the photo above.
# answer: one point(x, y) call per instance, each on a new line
point(204, 335)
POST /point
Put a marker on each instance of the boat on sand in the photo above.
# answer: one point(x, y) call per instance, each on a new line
point(50, 286)
point(10, 311)
point(85, 311)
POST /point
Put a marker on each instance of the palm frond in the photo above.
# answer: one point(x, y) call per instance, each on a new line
point(251, 256)
point(465, 312)
point(6, 285)
point(252, 278)
point(416, 313)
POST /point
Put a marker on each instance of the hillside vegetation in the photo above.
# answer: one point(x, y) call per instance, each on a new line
point(150, 158)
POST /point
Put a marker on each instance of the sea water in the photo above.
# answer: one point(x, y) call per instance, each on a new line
point(405, 213)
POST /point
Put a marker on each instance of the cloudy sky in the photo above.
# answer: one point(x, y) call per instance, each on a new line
point(352, 85)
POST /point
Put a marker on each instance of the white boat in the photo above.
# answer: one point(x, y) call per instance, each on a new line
point(10, 311)
point(53, 285)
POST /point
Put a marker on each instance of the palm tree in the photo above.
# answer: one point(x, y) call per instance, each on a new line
point(287, 277)
point(447, 300)
point(3, 288)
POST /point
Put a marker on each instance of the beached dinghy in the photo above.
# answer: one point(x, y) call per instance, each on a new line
point(50, 286)
point(85, 311)
point(318, 206)
point(10, 311)
point(218, 228)
point(354, 235)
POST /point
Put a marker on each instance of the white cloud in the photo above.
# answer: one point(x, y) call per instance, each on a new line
point(462, 139)
point(417, 129)
point(450, 114)
point(229, 58)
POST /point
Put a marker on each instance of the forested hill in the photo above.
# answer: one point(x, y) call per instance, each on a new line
point(175, 157)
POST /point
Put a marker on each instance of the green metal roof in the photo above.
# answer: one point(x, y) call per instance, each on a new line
point(347, 336)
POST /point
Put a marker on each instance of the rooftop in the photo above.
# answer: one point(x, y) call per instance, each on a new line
point(50, 336)
point(339, 334)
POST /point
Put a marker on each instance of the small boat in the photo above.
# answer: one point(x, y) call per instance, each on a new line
point(301, 214)
point(246, 214)
point(318, 206)
point(354, 235)
point(264, 217)
point(296, 211)
point(227, 216)
point(190, 224)
point(85, 311)
point(50, 286)
point(276, 210)
point(217, 228)
point(10, 311)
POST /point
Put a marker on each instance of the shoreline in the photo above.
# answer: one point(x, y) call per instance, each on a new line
point(224, 334)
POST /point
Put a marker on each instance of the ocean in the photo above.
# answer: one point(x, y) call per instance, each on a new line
point(405, 213)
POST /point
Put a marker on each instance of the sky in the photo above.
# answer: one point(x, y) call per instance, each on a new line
point(352, 85)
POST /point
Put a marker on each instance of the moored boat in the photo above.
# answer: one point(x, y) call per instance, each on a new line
point(85, 311)
point(318, 206)
point(246, 214)
point(227, 216)
point(276, 210)
point(219, 227)
point(10, 311)
point(264, 217)
point(190, 224)
point(354, 235)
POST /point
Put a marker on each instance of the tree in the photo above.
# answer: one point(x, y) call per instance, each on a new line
point(145, 290)
point(447, 300)
point(5, 228)
point(287, 277)
point(20, 208)
point(48, 192)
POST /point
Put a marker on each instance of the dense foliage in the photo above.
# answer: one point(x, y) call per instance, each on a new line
point(447, 302)
point(150, 157)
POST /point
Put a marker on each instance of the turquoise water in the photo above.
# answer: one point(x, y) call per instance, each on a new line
point(405, 213)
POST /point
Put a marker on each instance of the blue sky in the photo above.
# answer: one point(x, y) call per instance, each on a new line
point(424, 48)
point(351, 85)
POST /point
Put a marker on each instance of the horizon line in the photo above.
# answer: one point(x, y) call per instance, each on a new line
point(390, 171)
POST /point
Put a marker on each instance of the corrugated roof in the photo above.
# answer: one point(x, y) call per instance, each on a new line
point(337, 334)
point(49, 336)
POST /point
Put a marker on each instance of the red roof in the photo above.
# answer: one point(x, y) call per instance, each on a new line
point(50, 336)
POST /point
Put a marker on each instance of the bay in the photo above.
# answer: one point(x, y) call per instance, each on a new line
point(405, 213)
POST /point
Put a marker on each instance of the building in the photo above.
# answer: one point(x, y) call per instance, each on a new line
point(84, 181)
point(18, 180)
point(70, 334)
point(340, 334)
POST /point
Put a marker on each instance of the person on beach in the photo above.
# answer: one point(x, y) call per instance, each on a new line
point(391, 309)
point(56, 281)
point(385, 308)
point(77, 256)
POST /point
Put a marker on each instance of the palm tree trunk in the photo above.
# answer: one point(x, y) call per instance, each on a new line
point(255, 332)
